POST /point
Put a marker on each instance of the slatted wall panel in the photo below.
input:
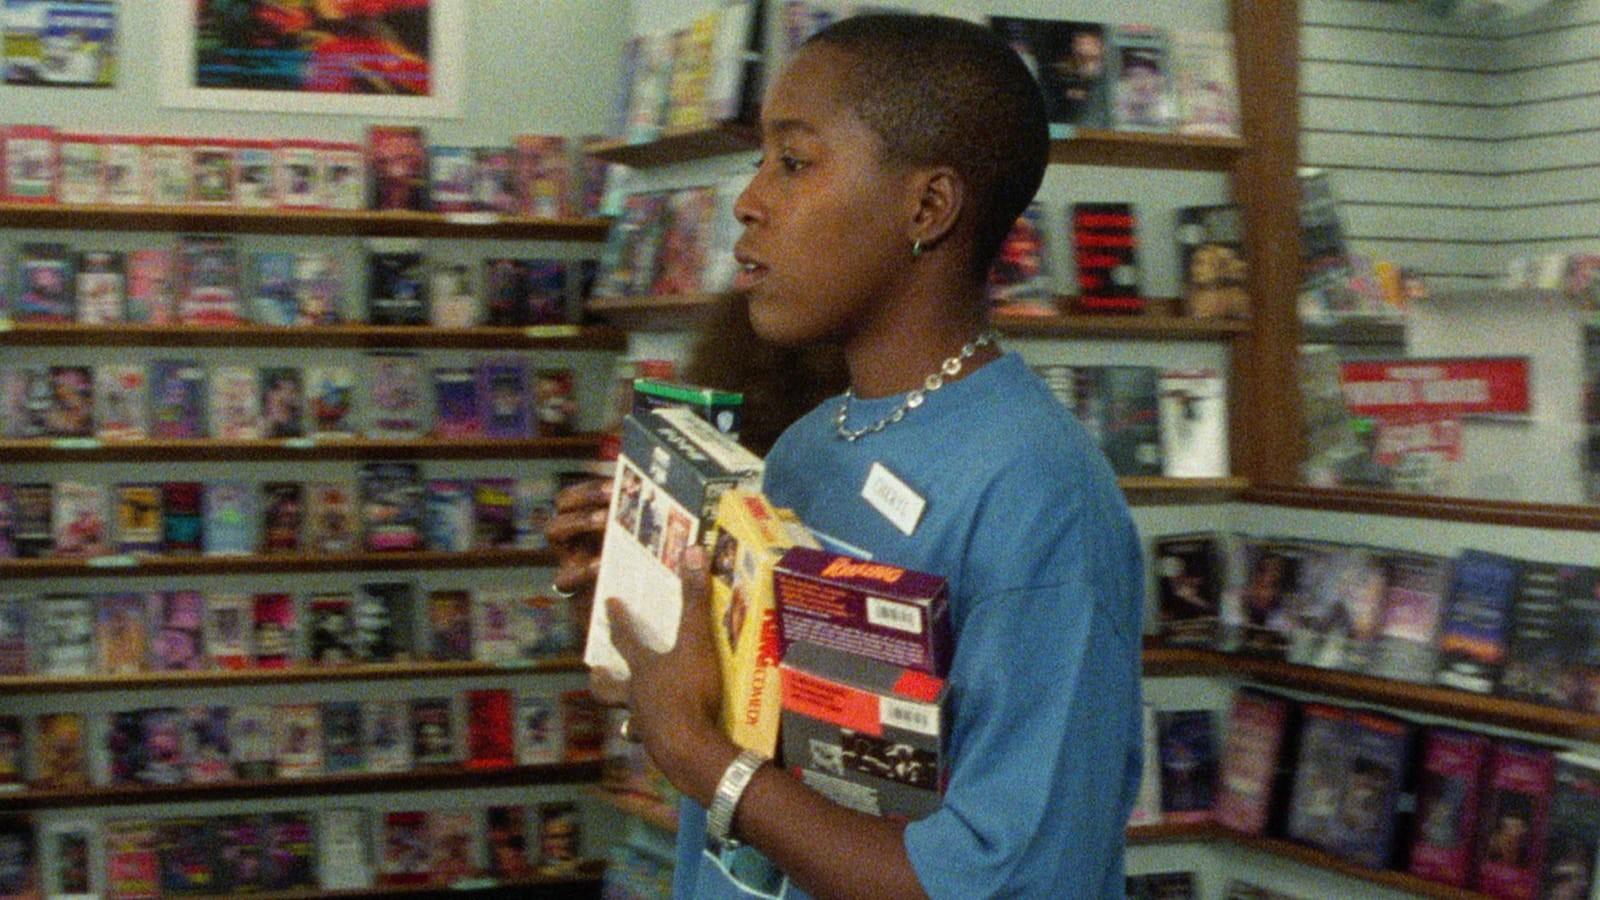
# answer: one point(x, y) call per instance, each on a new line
point(1400, 107)
point(1550, 63)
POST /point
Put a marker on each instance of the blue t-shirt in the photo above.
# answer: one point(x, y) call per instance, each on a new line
point(1023, 516)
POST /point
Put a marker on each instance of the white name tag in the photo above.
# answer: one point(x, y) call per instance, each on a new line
point(893, 498)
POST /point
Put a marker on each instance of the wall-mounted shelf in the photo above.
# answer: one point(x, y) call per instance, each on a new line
point(1211, 833)
point(39, 450)
point(1425, 698)
point(537, 337)
point(679, 145)
point(16, 685)
point(1563, 517)
point(673, 312)
point(583, 880)
point(1139, 150)
point(430, 779)
point(329, 222)
point(143, 566)
point(1127, 328)
point(1356, 333)
point(1155, 490)
point(647, 809)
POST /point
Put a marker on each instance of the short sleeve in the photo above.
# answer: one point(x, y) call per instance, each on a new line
point(1044, 708)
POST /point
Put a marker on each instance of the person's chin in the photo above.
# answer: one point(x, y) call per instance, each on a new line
point(773, 319)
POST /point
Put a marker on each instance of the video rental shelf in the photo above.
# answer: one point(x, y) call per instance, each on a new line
point(435, 779)
point(16, 685)
point(40, 450)
point(357, 335)
point(125, 566)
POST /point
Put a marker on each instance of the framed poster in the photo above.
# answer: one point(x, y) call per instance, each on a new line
point(335, 57)
point(59, 43)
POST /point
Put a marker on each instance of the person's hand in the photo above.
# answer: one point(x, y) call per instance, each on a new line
point(576, 532)
point(673, 698)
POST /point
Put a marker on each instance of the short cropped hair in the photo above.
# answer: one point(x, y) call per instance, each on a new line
point(943, 91)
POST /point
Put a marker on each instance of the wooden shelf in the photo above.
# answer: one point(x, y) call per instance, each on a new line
point(130, 566)
point(1356, 333)
point(15, 685)
point(1140, 150)
point(539, 337)
point(679, 145)
point(676, 312)
point(1563, 517)
point(583, 446)
point(647, 809)
point(1150, 491)
point(1425, 698)
point(1212, 833)
point(332, 222)
point(587, 873)
point(438, 779)
point(1127, 328)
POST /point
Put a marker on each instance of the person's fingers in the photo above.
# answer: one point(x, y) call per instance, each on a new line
point(577, 575)
point(607, 688)
point(623, 635)
point(584, 495)
point(568, 526)
point(696, 590)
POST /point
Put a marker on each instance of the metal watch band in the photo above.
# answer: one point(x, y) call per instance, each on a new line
point(735, 778)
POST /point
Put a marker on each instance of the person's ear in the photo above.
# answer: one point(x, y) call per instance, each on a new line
point(939, 195)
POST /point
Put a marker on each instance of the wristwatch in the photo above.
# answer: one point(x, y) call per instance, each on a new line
point(719, 818)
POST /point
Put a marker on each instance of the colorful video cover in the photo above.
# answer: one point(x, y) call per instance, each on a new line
point(453, 297)
point(274, 633)
point(397, 288)
point(318, 289)
point(386, 743)
point(397, 167)
point(283, 402)
point(397, 394)
point(503, 397)
point(210, 744)
point(543, 175)
point(450, 626)
point(177, 624)
point(250, 730)
point(255, 175)
point(61, 753)
point(863, 732)
point(490, 740)
point(235, 405)
point(230, 618)
point(494, 184)
point(391, 506)
point(149, 293)
point(330, 401)
point(452, 176)
point(182, 518)
point(344, 175)
point(71, 409)
point(505, 291)
point(31, 162)
point(385, 624)
point(331, 630)
point(493, 511)
point(545, 299)
point(297, 739)
point(538, 729)
point(273, 300)
point(65, 635)
point(177, 399)
point(449, 523)
point(342, 736)
point(80, 519)
point(136, 525)
point(232, 519)
point(1141, 90)
point(433, 740)
point(101, 287)
point(1448, 792)
point(331, 524)
point(208, 278)
point(455, 395)
point(283, 508)
point(702, 462)
point(1472, 638)
point(122, 402)
point(45, 281)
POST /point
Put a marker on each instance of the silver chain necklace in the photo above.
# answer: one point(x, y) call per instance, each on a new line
point(948, 369)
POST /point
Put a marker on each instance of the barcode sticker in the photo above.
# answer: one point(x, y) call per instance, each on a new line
point(891, 614)
point(918, 717)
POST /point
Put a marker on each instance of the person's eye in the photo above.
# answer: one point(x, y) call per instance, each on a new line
point(791, 163)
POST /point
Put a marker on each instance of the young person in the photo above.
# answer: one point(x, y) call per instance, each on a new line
point(897, 151)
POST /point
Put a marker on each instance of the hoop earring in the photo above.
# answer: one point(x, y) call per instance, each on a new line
point(916, 248)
